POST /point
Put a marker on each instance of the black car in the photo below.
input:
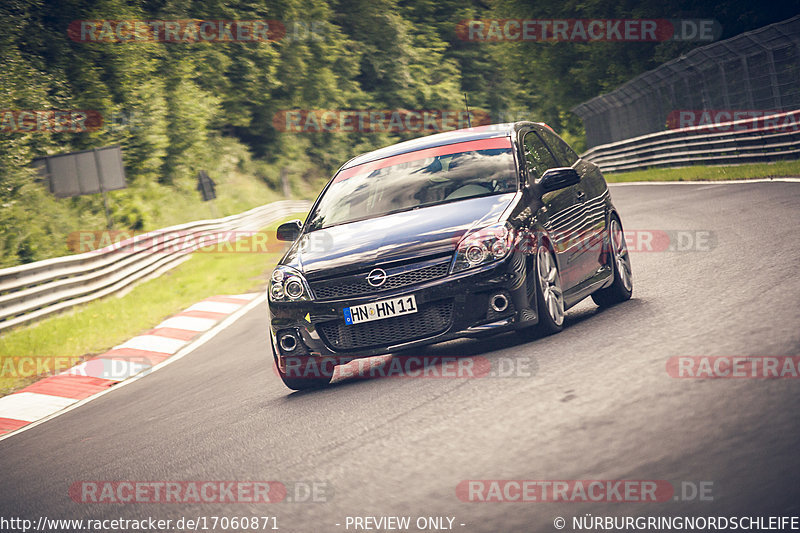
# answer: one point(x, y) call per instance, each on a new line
point(451, 235)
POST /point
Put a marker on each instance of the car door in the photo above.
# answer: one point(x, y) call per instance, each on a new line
point(593, 194)
point(561, 208)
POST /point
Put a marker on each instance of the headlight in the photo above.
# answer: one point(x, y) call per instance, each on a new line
point(483, 246)
point(288, 285)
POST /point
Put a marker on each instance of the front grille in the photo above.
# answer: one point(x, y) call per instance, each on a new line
point(357, 285)
point(430, 320)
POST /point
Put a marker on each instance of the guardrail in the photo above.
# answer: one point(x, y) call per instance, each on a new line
point(767, 138)
point(32, 291)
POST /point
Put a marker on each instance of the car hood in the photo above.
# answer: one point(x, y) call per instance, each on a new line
point(418, 233)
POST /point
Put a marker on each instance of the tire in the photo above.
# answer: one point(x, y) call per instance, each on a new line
point(297, 383)
point(622, 286)
point(549, 294)
point(304, 383)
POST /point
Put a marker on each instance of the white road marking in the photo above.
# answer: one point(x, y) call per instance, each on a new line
point(190, 323)
point(153, 343)
point(246, 296)
point(189, 348)
point(215, 307)
point(30, 406)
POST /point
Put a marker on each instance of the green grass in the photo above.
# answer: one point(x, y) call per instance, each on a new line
point(97, 326)
point(710, 173)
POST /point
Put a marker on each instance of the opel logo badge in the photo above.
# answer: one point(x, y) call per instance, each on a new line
point(377, 277)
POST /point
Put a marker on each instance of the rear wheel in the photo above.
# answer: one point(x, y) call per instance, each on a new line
point(622, 286)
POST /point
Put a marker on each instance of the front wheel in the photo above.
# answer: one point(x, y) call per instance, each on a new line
point(549, 295)
point(303, 377)
point(622, 286)
point(303, 383)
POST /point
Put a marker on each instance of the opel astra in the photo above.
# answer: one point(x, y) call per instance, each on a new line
point(456, 234)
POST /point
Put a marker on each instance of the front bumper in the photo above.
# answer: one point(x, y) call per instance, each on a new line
point(450, 307)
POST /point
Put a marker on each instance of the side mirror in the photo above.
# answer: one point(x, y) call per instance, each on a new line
point(288, 231)
point(559, 178)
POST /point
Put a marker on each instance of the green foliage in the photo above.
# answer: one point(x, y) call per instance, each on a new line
point(176, 108)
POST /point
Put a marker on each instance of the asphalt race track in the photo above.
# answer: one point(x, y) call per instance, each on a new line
point(596, 404)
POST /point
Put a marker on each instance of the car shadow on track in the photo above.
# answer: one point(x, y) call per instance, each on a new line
point(460, 358)
point(467, 347)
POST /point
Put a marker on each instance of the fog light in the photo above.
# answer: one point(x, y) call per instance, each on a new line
point(288, 342)
point(499, 302)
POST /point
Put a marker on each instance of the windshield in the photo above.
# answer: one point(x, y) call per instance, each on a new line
point(417, 179)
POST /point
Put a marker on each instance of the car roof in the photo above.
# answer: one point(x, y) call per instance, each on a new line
point(439, 139)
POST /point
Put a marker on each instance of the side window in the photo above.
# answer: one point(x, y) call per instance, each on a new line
point(565, 155)
point(537, 155)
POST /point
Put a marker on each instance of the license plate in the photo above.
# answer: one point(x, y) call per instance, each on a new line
point(405, 305)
